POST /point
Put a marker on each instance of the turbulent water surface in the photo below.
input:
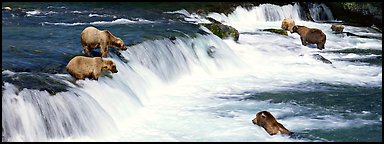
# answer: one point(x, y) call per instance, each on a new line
point(173, 89)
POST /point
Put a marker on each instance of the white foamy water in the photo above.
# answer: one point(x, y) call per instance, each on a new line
point(101, 15)
point(114, 22)
point(192, 18)
point(34, 12)
point(174, 91)
point(263, 15)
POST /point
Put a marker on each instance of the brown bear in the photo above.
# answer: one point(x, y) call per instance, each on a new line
point(310, 36)
point(287, 24)
point(337, 28)
point(92, 38)
point(266, 120)
point(81, 67)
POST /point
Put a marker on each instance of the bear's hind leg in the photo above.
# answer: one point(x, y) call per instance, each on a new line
point(104, 52)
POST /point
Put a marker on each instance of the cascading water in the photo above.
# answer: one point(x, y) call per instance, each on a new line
point(94, 108)
point(244, 20)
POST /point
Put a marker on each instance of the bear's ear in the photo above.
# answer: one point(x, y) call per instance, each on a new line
point(294, 28)
point(263, 115)
point(109, 62)
point(108, 32)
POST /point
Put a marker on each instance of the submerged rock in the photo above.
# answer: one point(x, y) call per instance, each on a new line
point(361, 36)
point(321, 58)
point(211, 51)
point(39, 81)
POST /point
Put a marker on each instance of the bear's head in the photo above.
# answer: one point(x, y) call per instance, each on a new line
point(262, 118)
point(287, 24)
point(269, 123)
point(108, 65)
point(120, 44)
point(115, 41)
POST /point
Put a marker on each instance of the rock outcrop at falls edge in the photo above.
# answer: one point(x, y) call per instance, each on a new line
point(364, 13)
point(221, 30)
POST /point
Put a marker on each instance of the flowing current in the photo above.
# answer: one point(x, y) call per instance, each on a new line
point(175, 90)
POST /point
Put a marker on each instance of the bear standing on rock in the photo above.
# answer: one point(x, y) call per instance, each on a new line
point(310, 36)
point(81, 67)
point(92, 38)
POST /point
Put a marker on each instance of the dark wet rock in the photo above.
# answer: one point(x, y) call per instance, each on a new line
point(304, 11)
point(213, 20)
point(361, 36)
point(278, 31)
point(321, 58)
point(363, 13)
point(374, 60)
point(45, 67)
point(211, 51)
point(172, 38)
point(357, 51)
point(221, 30)
point(39, 81)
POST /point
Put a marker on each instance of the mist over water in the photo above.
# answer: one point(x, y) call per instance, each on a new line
point(174, 90)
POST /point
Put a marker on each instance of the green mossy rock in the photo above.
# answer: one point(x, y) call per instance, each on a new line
point(278, 31)
point(221, 30)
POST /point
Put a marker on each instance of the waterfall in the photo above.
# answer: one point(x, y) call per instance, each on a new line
point(33, 115)
point(267, 12)
point(244, 20)
point(320, 12)
point(100, 108)
point(270, 16)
